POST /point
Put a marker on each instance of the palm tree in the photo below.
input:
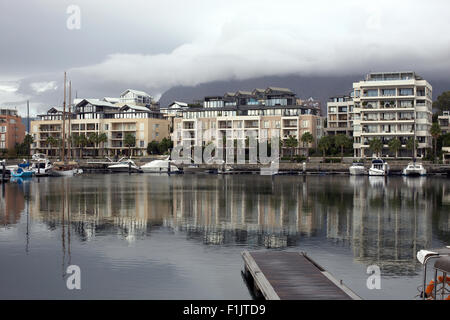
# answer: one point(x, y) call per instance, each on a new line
point(93, 140)
point(376, 146)
point(435, 132)
point(130, 142)
point(291, 143)
point(102, 138)
point(410, 144)
point(395, 145)
point(324, 144)
point(342, 140)
point(52, 141)
point(82, 141)
point(307, 138)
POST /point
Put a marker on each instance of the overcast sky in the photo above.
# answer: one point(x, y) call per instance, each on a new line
point(154, 45)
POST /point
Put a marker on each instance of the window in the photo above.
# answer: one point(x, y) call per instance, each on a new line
point(142, 144)
point(372, 93)
point(305, 124)
point(406, 92)
point(266, 124)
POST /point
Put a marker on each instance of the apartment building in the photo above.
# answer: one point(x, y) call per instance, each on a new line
point(392, 105)
point(12, 131)
point(99, 116)
point(237, 115)
point(340, 112)
point(444, 122)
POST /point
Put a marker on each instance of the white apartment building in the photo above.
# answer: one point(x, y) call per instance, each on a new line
point(444, 122)
point(392, 105)
point(340, 112)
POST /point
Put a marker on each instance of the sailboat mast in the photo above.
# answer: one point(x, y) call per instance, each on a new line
point(70, 116)
point(64, 122)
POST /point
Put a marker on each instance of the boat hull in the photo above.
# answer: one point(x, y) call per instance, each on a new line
point(357, 171)
point(158, 170)
point(124, 169)
point(27, 174)
point(414, 173)
point(376, 172)
point(65, 173)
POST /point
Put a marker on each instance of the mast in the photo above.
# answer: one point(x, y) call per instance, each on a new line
point(64, 122)
point(70, 117)
point(28, 125)
point(414, 142)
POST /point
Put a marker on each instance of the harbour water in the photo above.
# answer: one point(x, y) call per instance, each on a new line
point(143, 236)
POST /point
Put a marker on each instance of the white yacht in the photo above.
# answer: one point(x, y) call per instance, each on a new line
point(40, 165)
point(379, 168)
point(160, 166)
point(357, 169)
point(414, 169)
point(126, 165)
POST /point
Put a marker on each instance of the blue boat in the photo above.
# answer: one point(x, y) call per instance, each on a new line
point(20, 173)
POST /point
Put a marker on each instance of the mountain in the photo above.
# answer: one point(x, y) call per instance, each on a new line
point(318, 87)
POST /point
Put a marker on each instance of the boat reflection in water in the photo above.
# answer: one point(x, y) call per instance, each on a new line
point(374, 220)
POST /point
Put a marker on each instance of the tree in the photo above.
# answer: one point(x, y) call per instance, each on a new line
point(443, 102)
point(395, 145)
point(93, 140)
point(153, 147)
point(165, 145)
point(410, 144)
point(291, 143)
point(307, 138)
point(51, 141)
point(129, 141)
point(435, 132)
point(27, 142)
point(324, 144)
point(80, 141)
point(376, 146)
point(102, 138)
point(342, 141)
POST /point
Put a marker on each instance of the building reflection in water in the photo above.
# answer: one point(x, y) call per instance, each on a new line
point(384, 221)
point(12, 203)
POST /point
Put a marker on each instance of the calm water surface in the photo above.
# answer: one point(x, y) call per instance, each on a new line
point(180, 237)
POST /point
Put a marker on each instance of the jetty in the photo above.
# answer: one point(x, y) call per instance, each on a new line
point(281, 275)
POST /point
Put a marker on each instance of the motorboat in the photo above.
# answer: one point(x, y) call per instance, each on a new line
point(62, 169)
point(40, 165)
point(125, 165)
point(379, 168)
point(160, 166)
point(414, 169)
point(357, 169)
point(22, 173)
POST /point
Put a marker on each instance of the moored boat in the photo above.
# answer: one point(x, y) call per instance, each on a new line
point(22, 173)
point(379, 168)
point(357, 169)
point(126, 165)
point(40, 165)
point(65, 169)
point(414, 169)
point(160, 166)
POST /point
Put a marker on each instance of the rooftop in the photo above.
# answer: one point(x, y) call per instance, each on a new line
point(388, 76)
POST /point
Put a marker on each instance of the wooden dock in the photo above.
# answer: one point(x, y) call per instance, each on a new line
point(279, 275)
